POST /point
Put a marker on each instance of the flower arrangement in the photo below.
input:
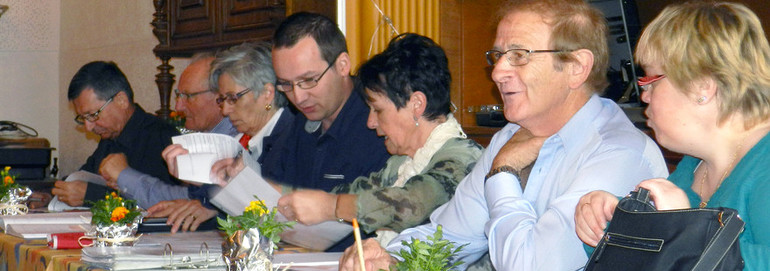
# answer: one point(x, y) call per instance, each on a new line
point(256, 215)
point(9, 183)
point(12, 194)
point(433, 256)
point(114, 210)
point(177, 119)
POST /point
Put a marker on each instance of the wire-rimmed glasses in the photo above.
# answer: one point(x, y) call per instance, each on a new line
point(93, 117)
point(516, 57)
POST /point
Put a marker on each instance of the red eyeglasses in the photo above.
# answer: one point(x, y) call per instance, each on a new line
point(650, 79)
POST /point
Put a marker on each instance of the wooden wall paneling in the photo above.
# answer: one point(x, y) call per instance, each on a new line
point(184, 27)
point(467, 31)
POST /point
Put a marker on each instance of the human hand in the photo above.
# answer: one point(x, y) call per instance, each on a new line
point(71, 193)
point(308, 207)
point(111, 166)
point(38, 199)
point(183, 214)
point(592, 213)
point(375, 257)
point(665, 194)
point(520, 151)
point(169, 154)
point(224, 170)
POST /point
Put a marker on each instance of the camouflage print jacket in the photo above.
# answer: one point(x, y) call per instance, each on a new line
point(382, 206)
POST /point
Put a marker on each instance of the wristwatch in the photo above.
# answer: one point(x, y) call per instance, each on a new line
point(505, 168)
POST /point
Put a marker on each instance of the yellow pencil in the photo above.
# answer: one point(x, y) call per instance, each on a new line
point(359, 246)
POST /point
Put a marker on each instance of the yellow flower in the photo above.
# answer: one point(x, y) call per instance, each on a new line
point(7, 180)
point(7, 168)
point(257, 206)
point(119, 213)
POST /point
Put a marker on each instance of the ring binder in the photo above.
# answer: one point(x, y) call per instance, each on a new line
point(186, 262)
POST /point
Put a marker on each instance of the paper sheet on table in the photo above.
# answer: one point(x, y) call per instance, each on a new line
point(80, 175)
point(296, 260)
point(46, 218)
point(205, 149)
point(42, 231)
point(241, 190)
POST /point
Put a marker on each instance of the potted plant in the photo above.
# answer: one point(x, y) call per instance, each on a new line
point(251, 237)
point(434, 255)
point(115, 221)
point(13, 196)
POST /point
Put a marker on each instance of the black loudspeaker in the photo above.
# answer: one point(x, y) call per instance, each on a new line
point(624, 29)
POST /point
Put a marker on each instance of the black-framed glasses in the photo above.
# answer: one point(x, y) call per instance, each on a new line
point(93, 117)
point(231, 98)
point(516, 57)
point(188, 96)
point(304, 84)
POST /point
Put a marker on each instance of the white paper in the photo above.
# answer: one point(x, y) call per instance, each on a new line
point(330, 259)
point(241, 190)
point(81, 175)
point(42, 231)
point(204, 150)
point(46, 218)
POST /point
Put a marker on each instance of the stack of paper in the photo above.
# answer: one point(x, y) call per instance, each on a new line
point(40, 225)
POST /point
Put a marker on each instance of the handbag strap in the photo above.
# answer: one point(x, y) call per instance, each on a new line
point(725, 237)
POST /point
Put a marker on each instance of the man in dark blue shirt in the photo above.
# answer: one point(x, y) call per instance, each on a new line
point(329, 143)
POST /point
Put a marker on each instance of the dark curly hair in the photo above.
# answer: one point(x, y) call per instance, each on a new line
point(410, 63)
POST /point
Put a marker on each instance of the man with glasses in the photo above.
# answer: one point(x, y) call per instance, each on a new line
point(104, 104)
point(197, 101)
point(329, 143)
point(517, 204)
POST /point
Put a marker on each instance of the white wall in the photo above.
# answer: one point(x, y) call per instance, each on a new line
point(112, 30)
point(29, 65)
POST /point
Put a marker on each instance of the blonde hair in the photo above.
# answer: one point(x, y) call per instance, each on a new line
point(724, 41)
point(575, 25)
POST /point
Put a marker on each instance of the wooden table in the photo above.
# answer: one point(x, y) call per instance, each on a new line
point(34, 255)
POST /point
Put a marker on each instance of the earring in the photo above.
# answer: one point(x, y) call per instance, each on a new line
point(268, 107)
point(415, 122)
point(701, 99)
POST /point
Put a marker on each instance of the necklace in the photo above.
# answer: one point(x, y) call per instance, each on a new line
point(705, 202)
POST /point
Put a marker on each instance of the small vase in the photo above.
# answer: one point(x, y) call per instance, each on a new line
point(14, 203)
point(115, 235)
point(247, 251)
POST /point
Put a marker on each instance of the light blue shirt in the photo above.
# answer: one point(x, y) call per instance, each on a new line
point(148, 190)
point(598, 149)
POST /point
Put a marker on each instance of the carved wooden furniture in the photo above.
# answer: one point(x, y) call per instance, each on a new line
point(184, 27)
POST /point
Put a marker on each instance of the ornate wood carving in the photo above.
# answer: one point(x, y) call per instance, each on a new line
point(184, 27)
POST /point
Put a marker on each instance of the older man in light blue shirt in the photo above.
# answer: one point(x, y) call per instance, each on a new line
point(518, 203)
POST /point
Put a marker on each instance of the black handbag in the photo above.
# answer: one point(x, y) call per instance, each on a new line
point(641, 238)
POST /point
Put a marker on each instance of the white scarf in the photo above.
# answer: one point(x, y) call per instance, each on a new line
point(443, 132)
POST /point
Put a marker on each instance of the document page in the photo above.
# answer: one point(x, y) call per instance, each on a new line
point(205, 149)
point(80, 175)
point(241, 190)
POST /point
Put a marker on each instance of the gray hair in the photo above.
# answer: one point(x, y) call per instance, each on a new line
point(250, 65)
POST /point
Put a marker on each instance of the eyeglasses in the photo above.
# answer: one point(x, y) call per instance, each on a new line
point(516, 57)
point(304, 84)
point(188, 96)
point(93, 117)
point(230, 98)
point(646, 82)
